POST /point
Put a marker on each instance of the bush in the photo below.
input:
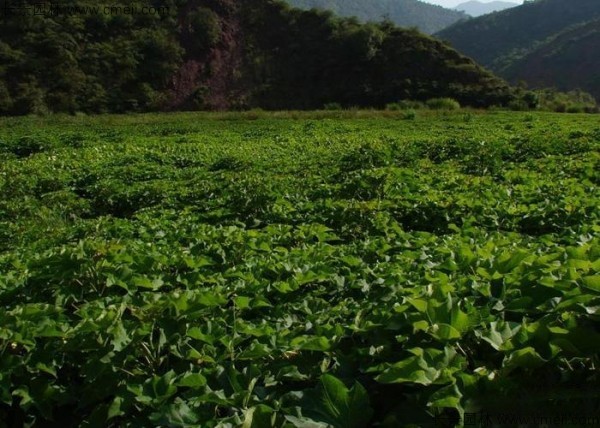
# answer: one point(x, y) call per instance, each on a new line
point(443, 104)
point(518, 105)
point(404, 105)
point(6, 101)
point(332, 106)
point(228, 163)
point(27, 146)
point(576, 108)
point(366, 156)
point(409, 115)
point(30, 99)
point(566, 102)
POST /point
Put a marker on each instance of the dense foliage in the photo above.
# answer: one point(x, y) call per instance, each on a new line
point(545, 42)
point(186, 270)
point(575, 101)
point(218, 55)
point(426, 17)
point(84, 61)
point(356, 64)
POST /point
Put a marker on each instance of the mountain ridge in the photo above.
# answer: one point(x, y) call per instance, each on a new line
point(516, 39)
point(476, 8)
point(566, 58)
point(428, 18)
point(516, 29)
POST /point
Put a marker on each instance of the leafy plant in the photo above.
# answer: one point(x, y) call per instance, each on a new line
point(278, 270)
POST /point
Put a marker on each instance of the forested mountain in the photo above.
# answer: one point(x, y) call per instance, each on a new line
point(224, 54)
point(567, 61)
point(477, 8)
point(513, 42)
point(426, 17)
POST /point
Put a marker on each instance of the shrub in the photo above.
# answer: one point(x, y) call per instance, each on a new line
point(576, 108)
point(443, 104)
point(332, 106)
point(518, 105)
point(27, 146)
point(405, 105)
point(566, 102)
point(409, 115)
point(228, 163)
point(6, 101)
point(366, 156)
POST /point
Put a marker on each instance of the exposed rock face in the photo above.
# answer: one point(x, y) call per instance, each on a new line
point(211, 81)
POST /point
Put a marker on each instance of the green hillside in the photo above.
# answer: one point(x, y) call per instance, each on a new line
point(222, 55)
point(567, 61)
point(537, 42)
point(405, 13)
point(496, 40)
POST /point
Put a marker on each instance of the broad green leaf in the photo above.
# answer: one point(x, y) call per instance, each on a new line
point(178, 414)
point(499, 334)
point(510, 261)
point(192, 380)
point(311, 343)
point(145, 282)
point(260, 416)
point(242, 302)
point(447, 397)
point(46, 369)
point(159, 388)
point(120, 336)
point(115, 408)
point(591, 282)
point(444, 332)
point(305, 422)
point(419, 304)
point(339, 406)
point(196, 333)
point(420, 326)
point(459, 320)
point(254, 351)
point(412, 370)
point(524, 358)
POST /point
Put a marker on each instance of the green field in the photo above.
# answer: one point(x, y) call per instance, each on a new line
point(343, 269)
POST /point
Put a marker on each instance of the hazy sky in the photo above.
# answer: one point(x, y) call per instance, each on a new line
point(452, 3)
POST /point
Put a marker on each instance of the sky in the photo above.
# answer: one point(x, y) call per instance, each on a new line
point(453, 3)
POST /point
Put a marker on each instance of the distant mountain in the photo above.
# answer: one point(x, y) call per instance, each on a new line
point(569, 60)
point(544, 42)
point(426, 17)
point(476, 8)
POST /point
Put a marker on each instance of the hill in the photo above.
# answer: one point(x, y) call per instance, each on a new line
point(476, 8)
point(510, 41)
point(405, 13)
point(224, 55)
point(569, 60)
point(495, 40)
